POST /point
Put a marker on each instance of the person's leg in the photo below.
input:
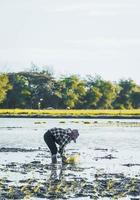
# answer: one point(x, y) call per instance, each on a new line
point(49, 140)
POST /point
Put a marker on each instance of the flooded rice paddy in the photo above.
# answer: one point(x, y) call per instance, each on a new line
point(109, 165)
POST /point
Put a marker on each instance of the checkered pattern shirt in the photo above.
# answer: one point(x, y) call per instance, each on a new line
point(62, 138)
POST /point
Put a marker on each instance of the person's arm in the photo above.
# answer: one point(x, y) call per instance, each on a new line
point(64, 141)
point(62, 152)
point(62, 149)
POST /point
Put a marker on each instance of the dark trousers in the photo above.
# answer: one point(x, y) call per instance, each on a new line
point(50, 141)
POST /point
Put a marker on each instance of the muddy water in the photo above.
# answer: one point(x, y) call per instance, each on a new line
point(109, 165)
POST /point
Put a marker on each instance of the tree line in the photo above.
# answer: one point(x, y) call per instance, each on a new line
point(36, 89)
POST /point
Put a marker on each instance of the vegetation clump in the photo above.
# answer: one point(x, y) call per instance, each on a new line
point(37, 89)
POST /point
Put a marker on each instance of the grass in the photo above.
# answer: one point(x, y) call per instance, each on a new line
point(68, 113)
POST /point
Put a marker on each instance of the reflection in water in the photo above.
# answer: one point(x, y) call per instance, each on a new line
point(115, 186)
point(53, 176)
point(61, 185)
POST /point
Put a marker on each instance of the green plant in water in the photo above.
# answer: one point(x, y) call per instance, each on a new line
point(85, 122)
point(11, 191)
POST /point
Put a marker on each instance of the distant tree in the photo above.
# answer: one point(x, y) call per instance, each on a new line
point(109, 93)
point(92, 97)
point(41, 86)
point(37, 88)
point(124, 98)
point(70, 91)
point(5, 86)
point(135, 99)
point(19, 95)
point(100, 93)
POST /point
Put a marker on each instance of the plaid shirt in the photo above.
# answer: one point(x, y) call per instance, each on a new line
point(61, 137)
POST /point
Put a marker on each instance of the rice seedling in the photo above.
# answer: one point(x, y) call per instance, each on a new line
point(110, 184)
point(36, 188)
point(1, 184)
point(27, 197)
point(37, 122)
point(86, 122)
point(11, 191)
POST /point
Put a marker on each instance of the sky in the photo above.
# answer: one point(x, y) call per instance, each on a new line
point(72, 37)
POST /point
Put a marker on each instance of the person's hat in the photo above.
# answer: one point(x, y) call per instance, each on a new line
point(74, 134)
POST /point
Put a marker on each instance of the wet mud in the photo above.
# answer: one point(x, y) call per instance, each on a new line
point(47, 181)
point(3, 149)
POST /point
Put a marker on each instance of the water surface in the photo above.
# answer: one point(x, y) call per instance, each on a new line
point(109, 160)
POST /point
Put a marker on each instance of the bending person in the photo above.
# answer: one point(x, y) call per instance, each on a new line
point(61, 137)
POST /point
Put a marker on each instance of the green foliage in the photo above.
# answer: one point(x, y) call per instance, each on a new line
point(92, 97)
point(38, 89)
point(135, 96)
point(5, 86)
point(70, 91)
point(100, 93)
point(124, 97)
point(19, 95)
point(40, 85)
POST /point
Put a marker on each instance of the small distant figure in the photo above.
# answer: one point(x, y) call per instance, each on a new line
point(61, 137)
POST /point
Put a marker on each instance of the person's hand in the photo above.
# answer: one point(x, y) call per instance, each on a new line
point(64, 159)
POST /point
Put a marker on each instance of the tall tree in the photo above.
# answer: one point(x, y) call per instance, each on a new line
point(92, 97)
point(124, 98)
point(19, 96)
point(100, 93)
point(136, 99)
point(41, 84)
point(70, 91)
point(5, 86)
